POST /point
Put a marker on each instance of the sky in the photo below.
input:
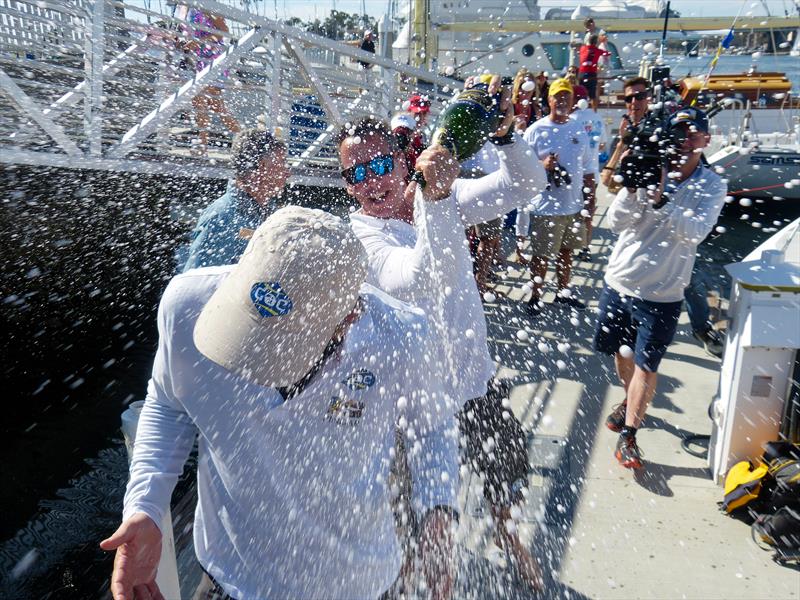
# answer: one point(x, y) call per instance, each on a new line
point(307, 9)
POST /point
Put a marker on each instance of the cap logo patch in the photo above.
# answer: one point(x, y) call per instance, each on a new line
point(269, 299)
point(360, 380)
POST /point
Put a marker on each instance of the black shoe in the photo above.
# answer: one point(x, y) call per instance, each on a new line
point(711, 340)
point(628, 453)
point(616, 420)
point(533, 307)
point(570, 301)
point(585, 255)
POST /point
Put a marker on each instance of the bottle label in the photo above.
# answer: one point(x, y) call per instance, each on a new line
point(478, 96)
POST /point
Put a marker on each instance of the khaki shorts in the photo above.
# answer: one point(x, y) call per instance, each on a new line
point(550, 234)
point(490, 229)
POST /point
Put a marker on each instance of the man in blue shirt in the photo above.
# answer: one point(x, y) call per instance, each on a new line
point(223, 229)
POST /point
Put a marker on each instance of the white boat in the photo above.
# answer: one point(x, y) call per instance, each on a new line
point(764, 165)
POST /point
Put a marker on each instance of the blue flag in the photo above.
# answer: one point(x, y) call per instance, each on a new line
point(728, 39)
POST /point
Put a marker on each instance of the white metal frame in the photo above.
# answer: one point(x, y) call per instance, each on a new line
point(119, 78)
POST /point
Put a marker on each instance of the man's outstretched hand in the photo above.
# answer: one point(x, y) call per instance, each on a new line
point(138, 546)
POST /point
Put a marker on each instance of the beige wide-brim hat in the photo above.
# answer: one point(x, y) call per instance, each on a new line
point(272, 317)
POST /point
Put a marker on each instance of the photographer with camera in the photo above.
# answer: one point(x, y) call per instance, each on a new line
point(651, 264)
point(557, 226)
point(637, 97)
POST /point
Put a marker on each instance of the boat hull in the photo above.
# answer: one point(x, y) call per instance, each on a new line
point(766, 172)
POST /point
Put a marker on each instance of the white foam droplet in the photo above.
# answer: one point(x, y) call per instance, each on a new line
point(528, 86)
point(489, 297)
point(625, 351)
point(583, 104)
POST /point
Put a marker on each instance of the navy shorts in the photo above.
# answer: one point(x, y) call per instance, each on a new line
point(589, 81)
point(646, 327)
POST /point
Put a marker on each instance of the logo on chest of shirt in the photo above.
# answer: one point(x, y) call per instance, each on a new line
point(269, 299)
point(344, 411)
point(359, 380)
point(575, 140)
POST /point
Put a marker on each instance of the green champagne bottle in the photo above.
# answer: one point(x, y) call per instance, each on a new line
point(466, 123)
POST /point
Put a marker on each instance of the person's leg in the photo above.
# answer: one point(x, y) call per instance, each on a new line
point(547, 233)
point(493, 248)
point(696, 297)
point(538, 273)
point(483, 263)
point(585, 254)
point(655, 324)
point(572, 239)
point(522, 227)
point(640, 390)
point(510, 541)
point(697, 302)
point(613, 331)
point(563, 268)
point(625, 367)
point(505, 465)
point(217, 105)
point(202, 120)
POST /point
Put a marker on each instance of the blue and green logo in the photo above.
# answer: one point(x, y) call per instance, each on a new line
point(269, 299)
point(359, 380)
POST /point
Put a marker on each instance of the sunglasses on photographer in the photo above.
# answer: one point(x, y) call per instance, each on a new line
point(637, 96)
point(380, 166)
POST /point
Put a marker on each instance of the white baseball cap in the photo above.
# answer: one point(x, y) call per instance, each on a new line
point(272, 317)
point(403, 120)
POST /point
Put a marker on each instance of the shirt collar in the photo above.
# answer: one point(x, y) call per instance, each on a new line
point(248, 205)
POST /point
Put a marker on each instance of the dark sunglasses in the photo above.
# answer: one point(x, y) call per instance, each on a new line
point(637, 96)
point(380, 166)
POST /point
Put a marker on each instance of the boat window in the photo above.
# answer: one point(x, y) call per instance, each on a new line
point(557, 54)
point(527, 50)
point(616, 63)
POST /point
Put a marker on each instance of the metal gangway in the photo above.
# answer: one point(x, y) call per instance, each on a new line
point(101, 84)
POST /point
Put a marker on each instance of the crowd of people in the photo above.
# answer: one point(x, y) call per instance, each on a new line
point(337, 374)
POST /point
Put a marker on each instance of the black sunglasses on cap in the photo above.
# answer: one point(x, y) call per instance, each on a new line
point(637, 96)
point(380, 166)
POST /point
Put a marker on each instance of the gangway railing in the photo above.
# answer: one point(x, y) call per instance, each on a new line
point(103, 84)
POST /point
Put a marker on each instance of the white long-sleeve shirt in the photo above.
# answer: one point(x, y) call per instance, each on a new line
point(292, 496)
point(656, 248)
point(428, 264)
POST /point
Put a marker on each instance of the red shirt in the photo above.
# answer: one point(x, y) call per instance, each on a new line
point(589, 57)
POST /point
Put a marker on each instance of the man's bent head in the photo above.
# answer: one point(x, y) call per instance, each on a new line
point(272, 317)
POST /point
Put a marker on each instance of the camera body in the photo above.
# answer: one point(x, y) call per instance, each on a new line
point(649, 144)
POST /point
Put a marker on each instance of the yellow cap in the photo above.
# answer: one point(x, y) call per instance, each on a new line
point(560, 85)
point(486, 78)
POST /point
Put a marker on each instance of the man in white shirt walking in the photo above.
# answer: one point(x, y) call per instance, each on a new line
point(295, 375)
point(418, 252)
point(557, 226)
point(650, 267)
point(596, 132)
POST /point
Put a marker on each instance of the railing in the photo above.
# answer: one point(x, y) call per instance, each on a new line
point(103, 85)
